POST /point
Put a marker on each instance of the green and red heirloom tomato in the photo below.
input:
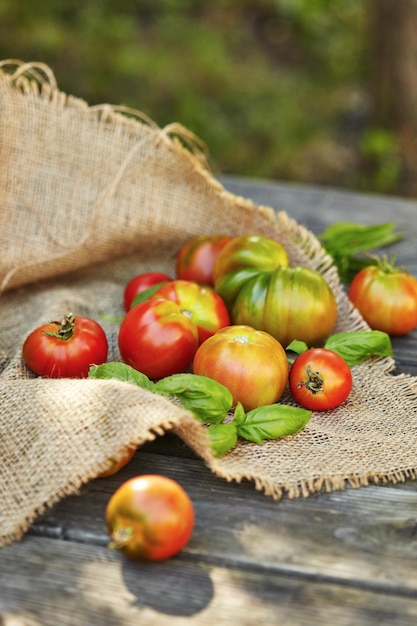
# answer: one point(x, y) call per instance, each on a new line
point(200, 303)
point(320, 379)
point(260, 290)
point(150, 517)
point(196, 258)
point(66, 348)
point(157, 338)
point(115, 466)
point(386, 296)
point(250, 363)
point(254, 252)
point(140, 283)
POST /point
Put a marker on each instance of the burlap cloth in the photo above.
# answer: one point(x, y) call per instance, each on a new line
point(89, 197)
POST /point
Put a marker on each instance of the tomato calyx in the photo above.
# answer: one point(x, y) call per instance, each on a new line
point(66, 328)
point(314, 382)
point(121, 537)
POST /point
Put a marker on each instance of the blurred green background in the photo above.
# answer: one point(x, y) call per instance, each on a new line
point(278, 89)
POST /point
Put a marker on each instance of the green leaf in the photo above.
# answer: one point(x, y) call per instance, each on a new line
point(207, 399)
point(357, 346)
point(147, 293)
point(239, 414)
point(297, 346)
point(272, 422)
point(223, 437)
point(121, 371)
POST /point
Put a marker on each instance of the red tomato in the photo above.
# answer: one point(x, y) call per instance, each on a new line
point(251, 363)
point(386, 297)
point(150, 517)
point(115, 466)
point(196, 258)
point(200, 303)
point(320, 379)
point(140, 283)
point(157, 338)
point(65, 349)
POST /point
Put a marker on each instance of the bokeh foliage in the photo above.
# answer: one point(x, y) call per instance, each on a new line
point(275, 88)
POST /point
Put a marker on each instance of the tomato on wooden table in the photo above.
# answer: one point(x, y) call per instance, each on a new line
point(157, 338)
point(115, 466)
point(252, 364)
point(66, 348)
point(320, 379)
point(140, 283)
point(196, 258)
point(150, 517)
point(199, 302)
point(386, 297)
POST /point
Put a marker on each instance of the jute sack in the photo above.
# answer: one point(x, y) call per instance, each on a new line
point(89, 197)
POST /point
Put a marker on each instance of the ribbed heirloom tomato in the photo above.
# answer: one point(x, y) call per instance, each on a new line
point(150, 517)
point(196, 258)
point(320, 379)
point(386, 297)
point(250, 363)
point(65, 348)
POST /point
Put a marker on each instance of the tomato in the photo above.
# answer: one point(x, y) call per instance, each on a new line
point(260, 290)
point(65, 349)
point(386, 297)
point(200, 303)
point(157, 338)
point(196, 258)
point(320, 379)
point(150, 517)
point(140, 283)
point(250, 363)
point(249, 251)
point(115, 466)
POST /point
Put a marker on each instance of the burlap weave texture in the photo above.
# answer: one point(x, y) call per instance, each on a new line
point(90, 197)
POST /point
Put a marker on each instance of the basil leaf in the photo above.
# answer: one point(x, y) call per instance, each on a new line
point(147, 293)
point(357, 346)
point(120, 371)
point(272, 422)
point(207, 399)
point(297, 346)
point(223, 437)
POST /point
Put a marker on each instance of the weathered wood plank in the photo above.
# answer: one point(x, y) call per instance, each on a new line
point(47, 582)
point(365, 537)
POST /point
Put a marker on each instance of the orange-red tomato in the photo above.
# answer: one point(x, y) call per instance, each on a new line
point(66, 348)
point(157, 338)
point(320, 379)
point(251, 363)
point(386, 297)
point(150, 517)
point(196, 258)
point(116, 466)
point(200, 303)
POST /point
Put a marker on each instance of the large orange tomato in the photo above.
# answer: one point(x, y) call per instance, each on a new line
point(150, 517)
point(251, 363)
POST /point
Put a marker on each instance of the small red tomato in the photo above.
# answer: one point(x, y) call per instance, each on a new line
point(320, 379)
point(150, 517)
point(200, 303)
point(196, 258)
point(115, 466)
point(386, 297)
point(140, 283)
point(65, 349)
point(250, 363)
point(157, 338)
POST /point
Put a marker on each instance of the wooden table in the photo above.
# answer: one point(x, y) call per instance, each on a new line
point(343, 558)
